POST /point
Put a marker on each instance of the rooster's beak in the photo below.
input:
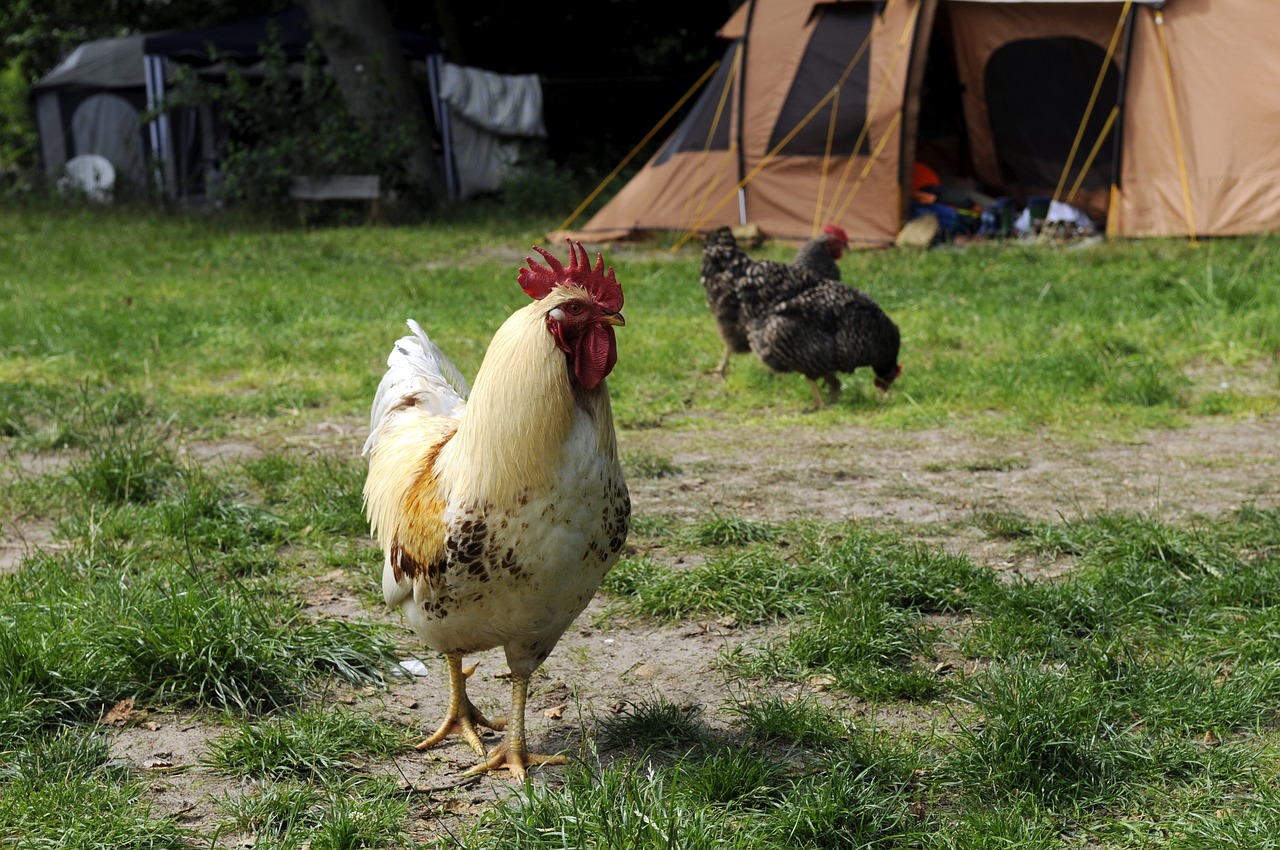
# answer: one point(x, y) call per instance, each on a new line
point(614, 319)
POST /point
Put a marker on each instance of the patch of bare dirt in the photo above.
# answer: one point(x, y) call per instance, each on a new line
point(21, 538)
point(167, 749)
point(946, 476)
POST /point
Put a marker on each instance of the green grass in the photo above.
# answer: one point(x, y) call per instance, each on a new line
point(1147, 675)
point(697, 789)
point(891, 692)
point(84, 630)
point(316, 744)
point(215, 322)
point(293, 816)
point(62, 790)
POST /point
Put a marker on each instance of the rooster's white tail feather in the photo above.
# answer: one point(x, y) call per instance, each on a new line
point(418, 375)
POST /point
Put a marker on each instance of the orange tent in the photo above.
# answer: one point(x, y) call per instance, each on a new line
point(1159, 119)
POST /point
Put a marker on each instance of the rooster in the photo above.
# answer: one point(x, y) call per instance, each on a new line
point(499, 512)
point(822, 330)
point(724, 264)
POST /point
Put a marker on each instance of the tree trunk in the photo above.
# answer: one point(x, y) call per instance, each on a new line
point(372, 74)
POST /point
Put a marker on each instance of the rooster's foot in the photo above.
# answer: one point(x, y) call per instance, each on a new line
point(514, 759)
point(466, 725)
point(463, 717)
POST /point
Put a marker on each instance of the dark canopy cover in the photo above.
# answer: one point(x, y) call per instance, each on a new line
point(242, 40)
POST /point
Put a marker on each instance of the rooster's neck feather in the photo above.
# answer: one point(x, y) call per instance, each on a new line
point(521, 411)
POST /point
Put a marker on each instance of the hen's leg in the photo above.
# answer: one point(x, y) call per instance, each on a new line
point(817, 394)
point(512, 752)
point(724, 362)
point(463, 717)
point(833, 388)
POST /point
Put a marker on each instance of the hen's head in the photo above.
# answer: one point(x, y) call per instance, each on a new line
point(583, 306)
point(838, 241)
point(886, 377)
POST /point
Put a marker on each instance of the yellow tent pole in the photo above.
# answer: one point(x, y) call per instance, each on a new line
point(753, 172)
point(826, 163)
point(866, 126)
point(1093, 154)
point(1113, 212)
point(612, 174)
point(871, 161)
point(1093, 99)
point(848, 69)
point(759, 166)
point(1173, 121)
point(817, 107)
point(706, 148)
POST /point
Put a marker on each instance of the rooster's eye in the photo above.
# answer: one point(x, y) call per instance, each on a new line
point(574, 307)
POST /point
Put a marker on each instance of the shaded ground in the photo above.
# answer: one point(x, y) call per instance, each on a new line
point(936, 478)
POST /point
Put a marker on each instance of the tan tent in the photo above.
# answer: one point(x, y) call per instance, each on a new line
point(1158, 120)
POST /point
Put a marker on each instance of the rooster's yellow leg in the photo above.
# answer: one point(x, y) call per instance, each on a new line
point(463, 717)
point(512, 753)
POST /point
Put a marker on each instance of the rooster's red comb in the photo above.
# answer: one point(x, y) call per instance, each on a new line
point(837, 231)
point(537, 280)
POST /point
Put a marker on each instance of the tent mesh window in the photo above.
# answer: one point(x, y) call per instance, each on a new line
point(701, 130)
point(1037, 92)
point(839, 33)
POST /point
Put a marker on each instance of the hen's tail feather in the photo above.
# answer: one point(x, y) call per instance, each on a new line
point(418, 375)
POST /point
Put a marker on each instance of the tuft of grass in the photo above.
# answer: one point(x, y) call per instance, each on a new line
point(1244, 820)
point(198, 520)
point(125, 459)
point(1022, 824)
point(804, 723)
point(655, 723)
point(1139, 578)
point(659, 526)
point(321, 494)
point(1052, 735)
point(792, 572)
point(82, 630)
point(732, 531)
point(728, 777)
point(860, 643)
point(648, 465)
point(63, 790)
point(318, 744)
point(754, 586)
point(348, 813)
point(716, 797)
point(1144, 382)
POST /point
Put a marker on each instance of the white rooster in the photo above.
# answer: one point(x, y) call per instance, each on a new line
point(500, 512)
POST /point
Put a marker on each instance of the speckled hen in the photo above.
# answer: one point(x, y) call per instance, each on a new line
point(724, 264)
point(500, 513)
point(825, 329)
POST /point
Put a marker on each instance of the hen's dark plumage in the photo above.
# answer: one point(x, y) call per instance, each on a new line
point(725, 265)
point(819, 254)
point(824, 329)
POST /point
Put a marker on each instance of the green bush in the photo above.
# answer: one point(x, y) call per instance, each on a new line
point(289, 123)
point(17, 132)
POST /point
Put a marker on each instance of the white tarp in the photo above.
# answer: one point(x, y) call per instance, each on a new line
point(82, 107)
point(489, 114)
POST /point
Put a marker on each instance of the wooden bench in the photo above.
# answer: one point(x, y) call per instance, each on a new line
point(337, 187)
